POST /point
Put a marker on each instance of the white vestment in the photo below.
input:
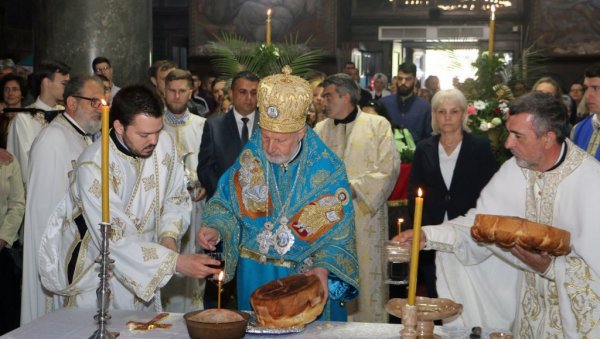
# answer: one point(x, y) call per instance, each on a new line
point(366, 146)
point(148, 202)
point(497, 289)
point(184, 294)
point(53, 155)
point(23, 129)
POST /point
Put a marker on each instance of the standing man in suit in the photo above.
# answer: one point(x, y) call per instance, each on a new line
point(223, 138)
point(225, 135)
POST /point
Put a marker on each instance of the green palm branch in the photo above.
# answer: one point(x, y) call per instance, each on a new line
point(233, 54)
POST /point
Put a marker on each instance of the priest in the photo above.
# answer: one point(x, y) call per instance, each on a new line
point(365, 143)
point(551, 181)
point(285, 206)
point(149, 212)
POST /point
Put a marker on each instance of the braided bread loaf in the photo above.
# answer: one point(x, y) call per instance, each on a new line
point(510, 231)
point(295, 300)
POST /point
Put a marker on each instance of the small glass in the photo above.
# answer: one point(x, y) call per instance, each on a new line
point(216, 256)
point(501, 335)
point(397, 259)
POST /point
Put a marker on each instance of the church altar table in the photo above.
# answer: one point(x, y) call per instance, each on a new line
point(74, 323)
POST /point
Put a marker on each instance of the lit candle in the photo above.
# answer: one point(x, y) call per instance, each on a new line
point(492, 31)
point(400, 221)
point(104, 167)
point(414, 254)
point(269, 27)
point(219, 294)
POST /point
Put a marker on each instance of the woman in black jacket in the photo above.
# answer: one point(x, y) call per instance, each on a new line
point(452, 167)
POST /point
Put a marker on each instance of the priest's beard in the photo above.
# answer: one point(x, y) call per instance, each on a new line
point(280, 159)
point(90, 122)
point(143, 152)
point(176, 108)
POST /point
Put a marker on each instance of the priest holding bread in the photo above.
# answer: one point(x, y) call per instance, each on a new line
point(285, 208)
point(525, 258)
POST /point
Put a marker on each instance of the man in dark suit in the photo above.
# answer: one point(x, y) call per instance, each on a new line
point(225, 135)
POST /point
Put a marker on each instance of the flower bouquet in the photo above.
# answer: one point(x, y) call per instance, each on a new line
point(489, 118)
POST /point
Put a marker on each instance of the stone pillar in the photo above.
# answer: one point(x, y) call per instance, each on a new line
point(76, 32)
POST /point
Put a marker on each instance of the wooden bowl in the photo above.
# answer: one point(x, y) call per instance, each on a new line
point(211, 330)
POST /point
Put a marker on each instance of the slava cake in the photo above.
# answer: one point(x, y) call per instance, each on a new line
point(292, 301)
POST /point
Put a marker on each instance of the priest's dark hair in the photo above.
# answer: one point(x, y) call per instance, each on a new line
point(47, 69)
point(133, 100)
point(549, 113)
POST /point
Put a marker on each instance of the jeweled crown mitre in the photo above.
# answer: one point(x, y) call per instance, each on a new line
point(283, 101)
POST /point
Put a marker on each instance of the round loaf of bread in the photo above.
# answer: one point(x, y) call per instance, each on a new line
point(288, 302)
point(507, 232)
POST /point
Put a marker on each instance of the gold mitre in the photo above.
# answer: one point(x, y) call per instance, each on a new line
point(283, 101)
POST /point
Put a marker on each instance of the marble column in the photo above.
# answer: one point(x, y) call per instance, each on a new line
point(76, 32)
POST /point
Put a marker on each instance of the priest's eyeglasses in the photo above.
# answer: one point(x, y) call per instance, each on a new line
point(95, 103)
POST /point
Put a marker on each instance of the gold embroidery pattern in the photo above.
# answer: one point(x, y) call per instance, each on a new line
point(116, 176)
point(149, 183)
point(117, 229)
point(96, 189)
point(167, 267)
point(137, 223)
point(167, 160)
point(168, 234)
point(541, 316)
point(319, 216)
point(585, 302)
point(150, 253)
point(180, 198)
point(317, 179)
point(251, 190)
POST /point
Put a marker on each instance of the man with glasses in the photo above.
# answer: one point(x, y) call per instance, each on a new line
point(49, 82)
point(52, 155)
point(586, 134)
point(102, 66)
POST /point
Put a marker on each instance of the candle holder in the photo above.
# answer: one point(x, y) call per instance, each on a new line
point(103, 291)
point(420, 316)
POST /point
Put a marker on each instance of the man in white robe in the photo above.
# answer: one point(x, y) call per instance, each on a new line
point(183, 294)
point(551, 181)
point(149, 209)
point(50, 80)
point(365, 143)
point(53, 155)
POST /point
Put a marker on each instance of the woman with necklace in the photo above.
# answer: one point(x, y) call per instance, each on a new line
point(451, 166)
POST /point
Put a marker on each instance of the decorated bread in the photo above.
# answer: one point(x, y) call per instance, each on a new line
point(288, 302)
point(507, 232)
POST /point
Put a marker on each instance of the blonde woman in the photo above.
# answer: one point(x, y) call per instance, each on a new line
point(451, 166)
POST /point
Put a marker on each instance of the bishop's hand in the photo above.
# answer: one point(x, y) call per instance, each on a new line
point(208, 238)
point(538, 261)
point(196, 265)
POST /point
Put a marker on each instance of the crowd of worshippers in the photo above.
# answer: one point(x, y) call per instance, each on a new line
point(283, 175)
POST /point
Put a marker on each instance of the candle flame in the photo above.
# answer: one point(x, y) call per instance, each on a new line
point(400, 221)
point(493, 8)
point(420, 192)
point(269, 12)
point(221, 276)
point(103, 102)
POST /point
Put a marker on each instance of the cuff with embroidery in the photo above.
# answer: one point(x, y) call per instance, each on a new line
point(437, 246)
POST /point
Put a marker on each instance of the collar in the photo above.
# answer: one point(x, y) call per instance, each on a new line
point(348, 119)
point(239, 116)
point(561, 158)
point(177, 119)
point(75, 125)
point(120, 145)
point(42, 105)
point(294, 157)
point(595, 122)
